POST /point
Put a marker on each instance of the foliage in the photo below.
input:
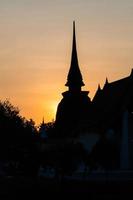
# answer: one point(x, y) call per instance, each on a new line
point(17, 137)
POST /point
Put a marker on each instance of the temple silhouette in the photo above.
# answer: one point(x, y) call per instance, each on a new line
point(88, 149)
point(107, 120)
point(75, 105)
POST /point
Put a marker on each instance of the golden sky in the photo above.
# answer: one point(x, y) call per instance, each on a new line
point(35, 49)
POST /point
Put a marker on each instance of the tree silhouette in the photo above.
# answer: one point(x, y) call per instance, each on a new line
point(17, 138)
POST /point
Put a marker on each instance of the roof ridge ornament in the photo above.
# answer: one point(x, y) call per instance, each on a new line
point(99, 87)
point(106, 82)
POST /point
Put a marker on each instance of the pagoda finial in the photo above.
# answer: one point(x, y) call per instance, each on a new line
point(74, 79)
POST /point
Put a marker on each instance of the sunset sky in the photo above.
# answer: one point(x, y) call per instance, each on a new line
point(35, 49)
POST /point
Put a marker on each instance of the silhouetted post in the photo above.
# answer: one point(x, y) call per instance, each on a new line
point(124, 156)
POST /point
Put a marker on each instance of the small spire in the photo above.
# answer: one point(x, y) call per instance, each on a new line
point(74, 79)
point(99, 87)
point(106, 82)
point(43, 120)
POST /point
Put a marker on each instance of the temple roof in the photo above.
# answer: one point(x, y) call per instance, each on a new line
point(114, 95)
point(114, 98)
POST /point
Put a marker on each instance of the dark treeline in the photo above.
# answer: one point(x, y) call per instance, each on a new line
point(25, 148)
point(18, 136)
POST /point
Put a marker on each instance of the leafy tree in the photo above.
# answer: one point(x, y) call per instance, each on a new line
point(17, 137)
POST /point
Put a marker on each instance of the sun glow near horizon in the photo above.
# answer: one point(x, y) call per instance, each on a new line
point(35, 50)
point(50, 111)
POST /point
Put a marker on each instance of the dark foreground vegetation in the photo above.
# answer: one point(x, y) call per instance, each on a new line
point(21, 188)
point(23, 151)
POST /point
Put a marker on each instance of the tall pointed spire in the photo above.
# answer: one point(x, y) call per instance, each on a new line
point(74, 79)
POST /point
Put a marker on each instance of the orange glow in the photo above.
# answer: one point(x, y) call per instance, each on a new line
point(35, 50)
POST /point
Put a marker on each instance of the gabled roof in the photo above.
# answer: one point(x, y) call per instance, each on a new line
point(113, 91)
point(113, 98)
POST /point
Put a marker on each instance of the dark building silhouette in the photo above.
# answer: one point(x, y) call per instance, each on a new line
point(110, 102)
point(75, 105)
point(106, 122)
point(112, 112)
